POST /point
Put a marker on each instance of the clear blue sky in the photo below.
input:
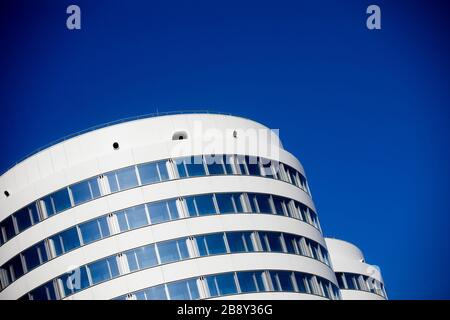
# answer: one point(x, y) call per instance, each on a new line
point(367, 112)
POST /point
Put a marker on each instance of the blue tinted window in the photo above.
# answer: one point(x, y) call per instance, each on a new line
point(267, 167)
point(156, 293)
point(146, 256)
point(122, 220)
point(34, 213)
point(239, 241)
point(164, 175)
point(16, 267)
point(290, 241)
point(90, 231)
point(8, 228)
point(278, 203)
point(127, 178)
point(182, 247)
point(205, 205)
point(195, 166)
point(178, 291)
point(181, 168)
point(148, 173)
point(264, 203)
point(201, 245)
point(215, 164)
point(226, 284)
point(158, 212)
point(112, 181)
point(339, 277)
point(168, 251)
point(137, 217)
point(240, 162)
point(85, 191)
point(173, 209)
point(215, 243)
point(44, 292)
point(301, 282)
point(237, 202)
point(246, 282)
point(131, 259)
point(99, 271)
point(61, 200)
point(273, 238)
point(104, 228)
point(211, 282)
point(350, 279)
point(23, 219)
point(191, 206)
point(285, 281)
point(252, 166)
point(193, 289)
point(228, 162)
point(225, 202)
point(70, 239)
point(35, 255)
point(75, 281)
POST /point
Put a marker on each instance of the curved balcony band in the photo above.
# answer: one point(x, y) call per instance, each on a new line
point(145, 174)
point(238, 283)
point(175, 250)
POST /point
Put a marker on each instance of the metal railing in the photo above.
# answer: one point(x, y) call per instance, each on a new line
point(111, 123)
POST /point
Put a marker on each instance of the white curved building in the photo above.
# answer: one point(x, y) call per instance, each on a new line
point(185, 206)
point(357, 280)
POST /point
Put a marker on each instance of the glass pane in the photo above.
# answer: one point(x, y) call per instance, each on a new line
point(195, 166)
point(168, 251)
point(182, 246)
point(16, 266)
point(61, 200)
point(235, 242)
point(23, 219)
point(278, 203)
point(113, 186)
point(178, 291)
point(226, 284)
point(163, 170)
point(158, 212)
point(70, 239)
point(122, 220)
point(260, 281)
point(201, 246)
point(180, 167)
point(225, 202)
point(350, 281)
point(34, 213)
point(246, 282)
point(146, 257)
point(267, 167)
point(99, 271)
point(237, 202)
point(229, 164)
point(48, 204)
point(137, 217)
point(31, 257)
point(148, 173)
point(127, 178)
point(156, 293)
point(81, 192)
point(211, 282)
point(215, 164)
point(90, 231)
point(264, 203)
point(274, 241)
point(289, 240)
point(103, 222)
point(248, 241)
point(44, 292)
point(56, 242)
point(113, 266)
point(205, 205)
point(193, 289)
point(215, 243)
point(131, 258)
point(252, 166)
point(301, 282)
point(285, 281)
point(75, 281)
point(8, 227)
point(173, 209)
point(191, 206)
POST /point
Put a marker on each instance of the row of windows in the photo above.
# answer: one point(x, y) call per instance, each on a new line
point(354, 281)
point(223, 284)
point(147, 214)
point(176, 250)
point(144, 174)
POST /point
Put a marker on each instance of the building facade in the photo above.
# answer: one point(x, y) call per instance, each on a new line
point(185, 206)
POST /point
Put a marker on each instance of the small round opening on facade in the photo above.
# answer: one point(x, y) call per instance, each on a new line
point(234, 134)
point(6, 193)
point(115, 145)
point(180, 135)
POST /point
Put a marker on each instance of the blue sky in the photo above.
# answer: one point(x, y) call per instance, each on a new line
point(367, 112)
